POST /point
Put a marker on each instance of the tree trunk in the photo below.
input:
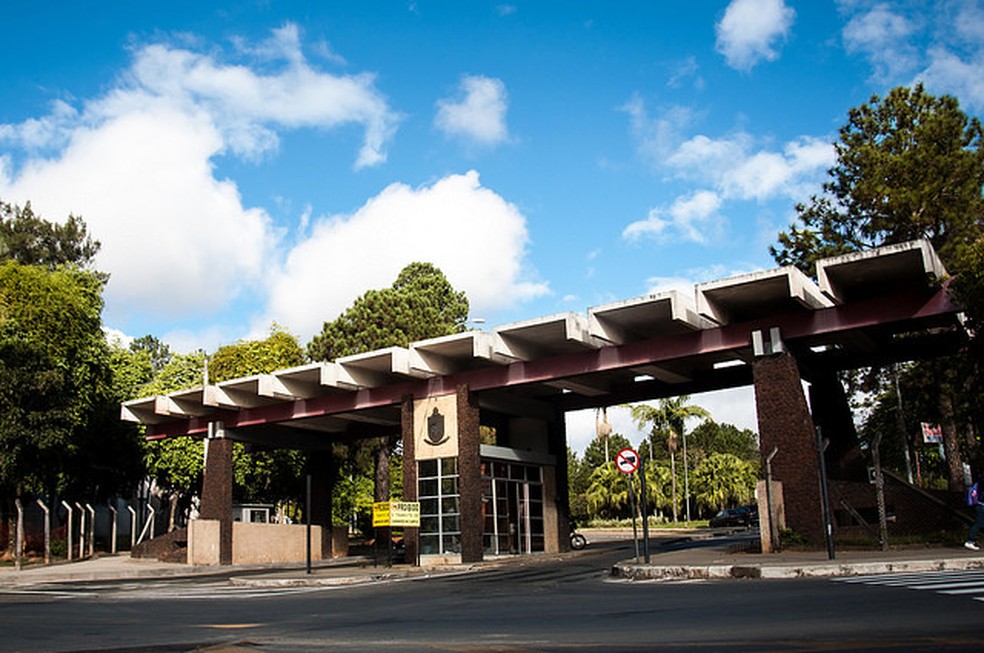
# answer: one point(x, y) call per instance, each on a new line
point(951, 443)
point(382, 481)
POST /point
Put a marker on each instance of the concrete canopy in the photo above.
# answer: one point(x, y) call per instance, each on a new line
point(881, 305)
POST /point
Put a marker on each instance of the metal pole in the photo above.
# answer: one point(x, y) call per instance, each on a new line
point(307, 518)
point(773, 527)
point(19, 540)
point(632, 504)
point(133, 526)
point(880, 493)
point(112, 530)
point(686, 477)
point(645, 511)
point(81, 530)
point(92, 530)
point(68, 533)
point(824, 496)
point(47, 532)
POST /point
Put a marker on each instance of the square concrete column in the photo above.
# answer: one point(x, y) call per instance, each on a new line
point(557, 487)
point(469, 476)
point(785, 422)
point(322, 470)
point(217, 490)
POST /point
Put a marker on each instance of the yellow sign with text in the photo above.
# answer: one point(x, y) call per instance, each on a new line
point(396, 513)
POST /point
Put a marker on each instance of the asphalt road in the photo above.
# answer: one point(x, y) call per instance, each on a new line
point(544, 605)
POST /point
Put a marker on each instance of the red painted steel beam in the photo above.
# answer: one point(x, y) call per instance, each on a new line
point(907, 309)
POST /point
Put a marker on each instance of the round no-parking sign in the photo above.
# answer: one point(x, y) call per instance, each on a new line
point(627, 460)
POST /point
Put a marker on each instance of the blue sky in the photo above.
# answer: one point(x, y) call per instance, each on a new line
point(250, 162)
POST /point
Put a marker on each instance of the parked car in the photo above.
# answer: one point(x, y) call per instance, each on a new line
point(740, 516)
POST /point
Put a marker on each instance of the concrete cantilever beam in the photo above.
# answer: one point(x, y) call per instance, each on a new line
point(759, 294)
point(873, 272)
point(645, 318)
point(539, 337)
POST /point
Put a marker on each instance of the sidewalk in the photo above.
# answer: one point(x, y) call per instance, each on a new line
point(704, 558)
point(695, 555)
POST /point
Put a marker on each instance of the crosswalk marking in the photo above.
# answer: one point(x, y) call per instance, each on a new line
point(951, 583)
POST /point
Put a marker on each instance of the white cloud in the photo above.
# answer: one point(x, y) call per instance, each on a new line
point(750, 29)
point(656, 138)
point(136, 164)
point(733, 168)
point(881, 34)
point(692, 218)
point(473, 235)
point(480, 116)
point(174, 238)
point(948, 73)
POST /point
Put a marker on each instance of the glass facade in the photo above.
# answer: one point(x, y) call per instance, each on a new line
point(439, 496)
point(512, 507)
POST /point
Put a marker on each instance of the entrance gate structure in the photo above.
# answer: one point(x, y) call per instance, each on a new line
point(503, 488)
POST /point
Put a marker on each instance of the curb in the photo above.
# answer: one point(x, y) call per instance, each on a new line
point(708, 572)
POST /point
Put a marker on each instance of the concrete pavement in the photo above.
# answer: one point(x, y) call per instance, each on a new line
point(675, 555)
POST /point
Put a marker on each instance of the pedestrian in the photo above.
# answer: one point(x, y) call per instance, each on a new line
point(974, 499)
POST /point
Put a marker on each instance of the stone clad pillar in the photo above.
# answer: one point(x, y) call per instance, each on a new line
point(785, 422)
point(322, 470)
point(469, 476)
point(411, 542)
point(217, 488)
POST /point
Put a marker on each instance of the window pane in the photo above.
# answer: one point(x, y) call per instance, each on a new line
point(449, 466)
point(449, 523)
point(429, 544)
point(428, 506)
point(449, 485)
point(452, 544)
point(429, 524)
point(449, 505)
point(427, 468)
point(428, 488)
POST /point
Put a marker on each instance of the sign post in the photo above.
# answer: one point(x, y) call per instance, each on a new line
point(387, 514)
point(627, 461)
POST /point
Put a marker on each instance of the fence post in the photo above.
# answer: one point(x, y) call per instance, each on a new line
point(133, 526)
point(19, 540)
point(68, 533)
point(47, 532)
point(81, 530)
point(112, 530)
point(92, 530)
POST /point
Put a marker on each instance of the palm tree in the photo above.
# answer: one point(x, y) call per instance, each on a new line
point(608, 492)
point(668, 418)
point(722, 479)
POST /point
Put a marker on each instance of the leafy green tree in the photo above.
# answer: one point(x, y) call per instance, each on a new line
point(55, 377)
point(667, 419)
point(278, 351)
point(723, 479)
point(27, 238)
point(712, 437)
point(175, 464)
point(608, 492)
point(157, 352)
point(909, 165)
point(578, 481)
point(420, 304)
point(594, 453)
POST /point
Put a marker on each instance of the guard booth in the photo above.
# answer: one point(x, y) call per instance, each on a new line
point(508, 491)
